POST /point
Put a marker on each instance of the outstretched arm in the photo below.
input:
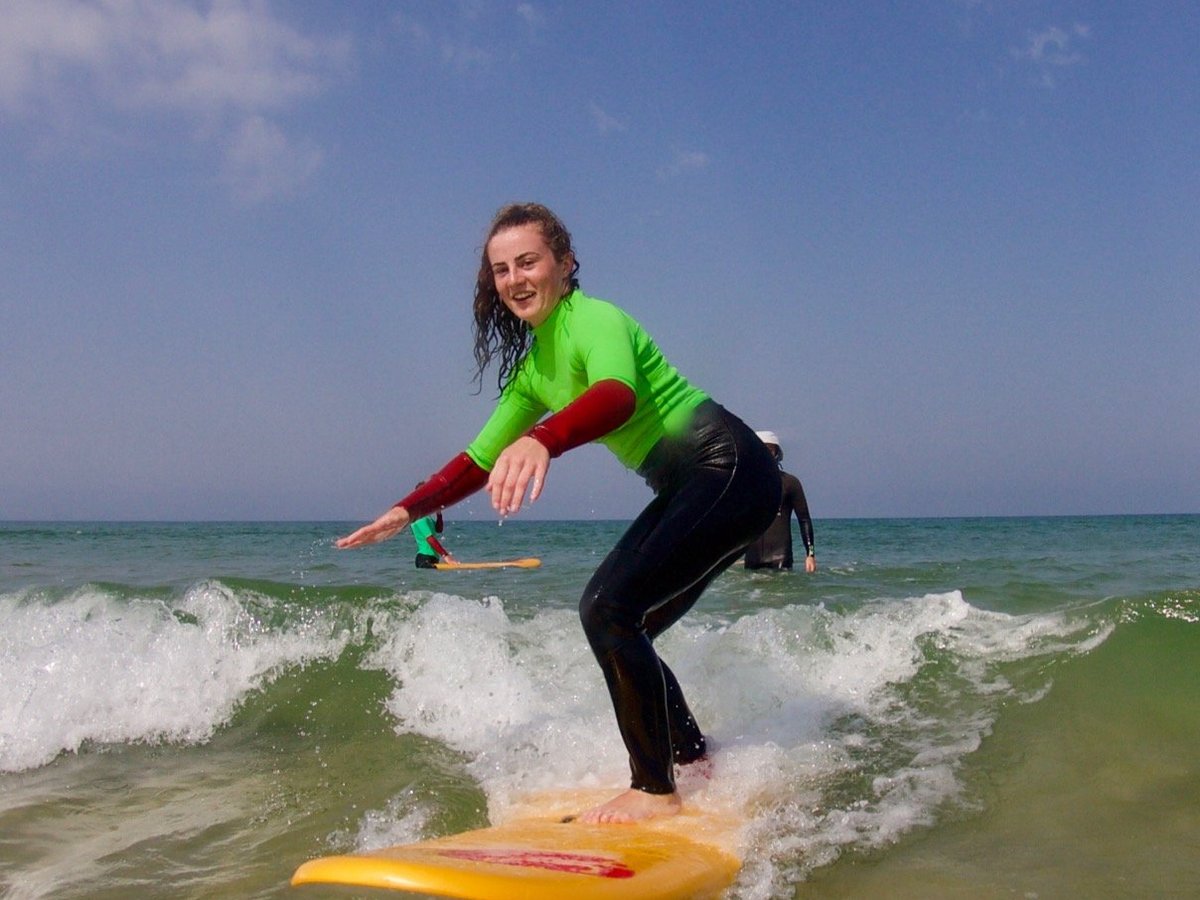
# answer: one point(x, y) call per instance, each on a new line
point(390, 524)
point(456, 480)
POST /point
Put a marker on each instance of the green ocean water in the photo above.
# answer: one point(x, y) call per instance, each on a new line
point(947, 708)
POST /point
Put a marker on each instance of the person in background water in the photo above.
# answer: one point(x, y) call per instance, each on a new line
point(773, 548)
point(429, 549)
point(600, 376)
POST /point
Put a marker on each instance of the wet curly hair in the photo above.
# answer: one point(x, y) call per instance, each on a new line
point(499, 335)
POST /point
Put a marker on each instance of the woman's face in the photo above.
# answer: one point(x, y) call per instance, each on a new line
point(529, 280)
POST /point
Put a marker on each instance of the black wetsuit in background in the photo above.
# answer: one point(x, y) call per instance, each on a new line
point(773, 548)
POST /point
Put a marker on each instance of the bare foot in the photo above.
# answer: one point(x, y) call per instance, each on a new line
point(633, 806)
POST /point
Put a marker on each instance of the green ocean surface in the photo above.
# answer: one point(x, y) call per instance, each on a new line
point(947, 708)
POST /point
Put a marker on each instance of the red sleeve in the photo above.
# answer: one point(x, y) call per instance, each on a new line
point(458, 479)
point(605, 406)
point(437, 546)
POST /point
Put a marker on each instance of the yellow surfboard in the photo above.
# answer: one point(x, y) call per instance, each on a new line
point(538, 856)
point(528, 562)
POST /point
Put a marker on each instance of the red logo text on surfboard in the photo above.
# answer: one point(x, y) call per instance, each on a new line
point(575, 863)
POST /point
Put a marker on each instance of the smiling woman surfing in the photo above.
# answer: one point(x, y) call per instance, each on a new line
point(600, 376)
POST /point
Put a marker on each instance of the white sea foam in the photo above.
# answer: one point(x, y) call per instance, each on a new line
point(834, 728)
point(403, 821)
point(93, 667)
point(804, 704)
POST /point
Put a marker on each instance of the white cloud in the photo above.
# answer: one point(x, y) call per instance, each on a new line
point(223, 64)
point(685, 161)
point(166, 54)
point(261, 162)
point(412, 29)
point(531, 14)
point(1054, 48)
point(460, 53)
point(604, 122)
point(463, 34)
point(237, 56)
point(38, 39)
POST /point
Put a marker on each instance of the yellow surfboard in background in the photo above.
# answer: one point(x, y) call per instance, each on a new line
point(527, 562)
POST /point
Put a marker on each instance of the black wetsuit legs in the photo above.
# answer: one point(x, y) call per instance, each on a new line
point(717, 488)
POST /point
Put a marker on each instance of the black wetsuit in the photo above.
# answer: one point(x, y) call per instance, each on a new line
point(716, 487)
point(773, 548)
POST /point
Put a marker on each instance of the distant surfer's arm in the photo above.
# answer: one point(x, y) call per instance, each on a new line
point(437, 547)
point(440, 526)
point(800, 508)
point(604, 406)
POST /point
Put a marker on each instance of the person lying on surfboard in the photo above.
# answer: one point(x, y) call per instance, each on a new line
point(430, 550)
point(601, 377)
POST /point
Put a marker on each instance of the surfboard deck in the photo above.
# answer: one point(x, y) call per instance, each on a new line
point(527, 562)
point(540, 857)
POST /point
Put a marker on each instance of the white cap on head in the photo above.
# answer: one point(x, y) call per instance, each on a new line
point(768, 437)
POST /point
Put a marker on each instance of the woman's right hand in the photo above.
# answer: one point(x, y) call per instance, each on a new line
point(522, 464)
point(388, 525)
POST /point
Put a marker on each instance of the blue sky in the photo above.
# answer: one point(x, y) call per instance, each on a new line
point(948, 251)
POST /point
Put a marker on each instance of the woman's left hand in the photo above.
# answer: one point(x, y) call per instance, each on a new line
point(522, 465)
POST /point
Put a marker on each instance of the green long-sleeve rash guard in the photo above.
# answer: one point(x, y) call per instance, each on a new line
point(584, 341)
